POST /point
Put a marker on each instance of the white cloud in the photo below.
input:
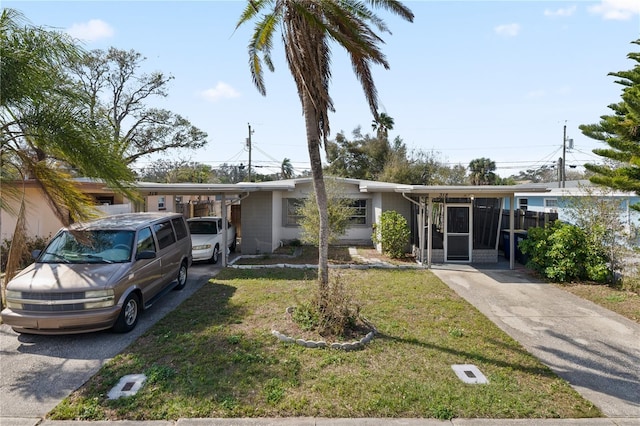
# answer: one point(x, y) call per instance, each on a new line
point(619, 10)
point(562, 12)
point(221, 91)
point(507, 30)
point(94, 29)
point(536, 94)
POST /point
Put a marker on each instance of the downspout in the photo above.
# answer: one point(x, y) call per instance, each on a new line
point(429, 231)
point(512, 250)
point(225, 227)
point(420, 227)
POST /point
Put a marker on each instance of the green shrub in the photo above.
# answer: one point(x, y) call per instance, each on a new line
point(336, 318)
point(392, 233)
point(339, 210)
point(564, 253)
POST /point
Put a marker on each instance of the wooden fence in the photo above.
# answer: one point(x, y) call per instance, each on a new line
point(525, 219)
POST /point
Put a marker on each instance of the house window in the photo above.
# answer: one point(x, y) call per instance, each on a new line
point(161, 203)
point(551, 202)
point(291, 210)
point(104, 200)
point(523, 203)
point(292, 216)
point(360, 213)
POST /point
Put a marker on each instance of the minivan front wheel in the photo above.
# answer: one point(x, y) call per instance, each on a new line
point(182, 276)
point(129, 313)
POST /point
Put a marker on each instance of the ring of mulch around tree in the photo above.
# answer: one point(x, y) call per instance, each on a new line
point(355, 337)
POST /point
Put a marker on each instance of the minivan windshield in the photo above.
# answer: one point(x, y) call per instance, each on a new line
point(100, 246)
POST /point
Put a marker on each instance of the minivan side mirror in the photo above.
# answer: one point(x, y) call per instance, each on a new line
point(36, 253)
point(147, 254)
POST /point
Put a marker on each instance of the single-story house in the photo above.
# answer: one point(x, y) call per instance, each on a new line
point(558, 199)
point(448, 223)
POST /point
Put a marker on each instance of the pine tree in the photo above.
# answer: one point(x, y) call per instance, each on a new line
point(621, 131)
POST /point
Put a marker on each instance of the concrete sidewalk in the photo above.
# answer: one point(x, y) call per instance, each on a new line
point(313, 421)
point(597, 351)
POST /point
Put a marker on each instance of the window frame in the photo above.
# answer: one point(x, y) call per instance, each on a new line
point(290, 220)
point(523, 203)
point(180, 228)
point(365, 215)
point(164, 234)
point(142, 232)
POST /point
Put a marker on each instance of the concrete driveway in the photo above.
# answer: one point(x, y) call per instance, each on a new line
point(37, 372)
point(597, 351)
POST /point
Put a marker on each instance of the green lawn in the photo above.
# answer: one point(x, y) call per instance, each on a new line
point(215, 356)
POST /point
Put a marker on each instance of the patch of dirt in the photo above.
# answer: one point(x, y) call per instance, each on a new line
point(373, 254)
point(338, 255)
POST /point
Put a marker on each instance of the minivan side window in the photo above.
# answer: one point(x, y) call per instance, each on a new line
point(164, 233)
point(145, 241)
point(180, 227)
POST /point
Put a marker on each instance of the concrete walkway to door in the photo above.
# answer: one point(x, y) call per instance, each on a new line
point(597, 351)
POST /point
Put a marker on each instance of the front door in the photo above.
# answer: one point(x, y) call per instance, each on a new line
point(457, 239)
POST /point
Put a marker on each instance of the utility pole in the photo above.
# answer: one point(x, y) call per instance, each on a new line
point(560, 162)
point(249, 146)
point(564, 154)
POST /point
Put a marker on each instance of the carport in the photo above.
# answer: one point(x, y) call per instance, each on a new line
point(226, 192)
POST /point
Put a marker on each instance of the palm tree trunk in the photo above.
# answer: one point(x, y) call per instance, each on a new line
point(313, 145)
point(16, 249)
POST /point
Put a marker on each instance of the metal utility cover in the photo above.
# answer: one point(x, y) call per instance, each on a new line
point(128, 385)
point(469, 373)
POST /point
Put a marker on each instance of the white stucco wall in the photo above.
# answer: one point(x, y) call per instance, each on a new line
point(40, 221)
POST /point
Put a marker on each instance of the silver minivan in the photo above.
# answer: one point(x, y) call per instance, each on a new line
point(100, 274)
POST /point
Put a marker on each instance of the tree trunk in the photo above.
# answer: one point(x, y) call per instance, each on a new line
point(313, 145)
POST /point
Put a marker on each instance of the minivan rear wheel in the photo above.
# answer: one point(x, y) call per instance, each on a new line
point(128, 318)
point(182, 276)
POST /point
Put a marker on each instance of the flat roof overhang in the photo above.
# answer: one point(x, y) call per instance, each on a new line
point(486, 191)
point(151, 188)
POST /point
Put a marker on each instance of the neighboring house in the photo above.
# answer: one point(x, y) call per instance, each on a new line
point(448, 223)
point(557, 200)
point(40, 220)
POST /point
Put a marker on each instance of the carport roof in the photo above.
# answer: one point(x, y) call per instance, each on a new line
point(152, 188)
point(488, 191)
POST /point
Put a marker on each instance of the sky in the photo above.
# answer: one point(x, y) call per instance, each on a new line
point(467, 79)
